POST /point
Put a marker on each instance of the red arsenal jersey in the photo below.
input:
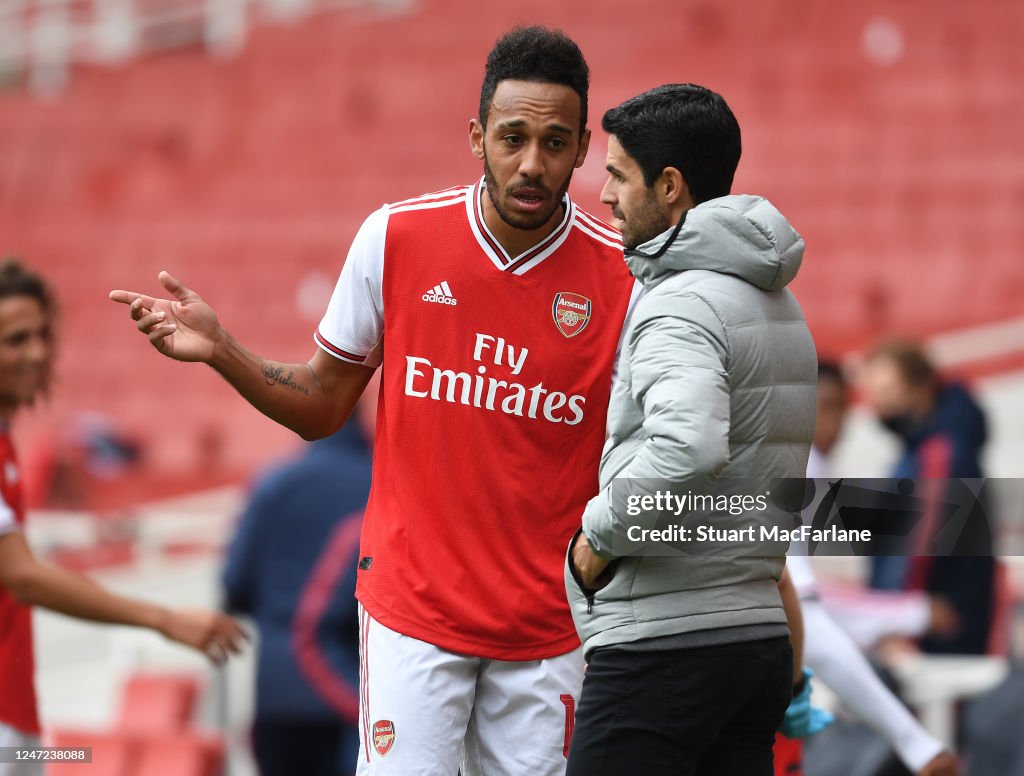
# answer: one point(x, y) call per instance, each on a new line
point(494, 394)
point(17, 666)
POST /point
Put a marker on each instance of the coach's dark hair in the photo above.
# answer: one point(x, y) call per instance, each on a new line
point(683, 126)
point(536, 54)
point(15, 280)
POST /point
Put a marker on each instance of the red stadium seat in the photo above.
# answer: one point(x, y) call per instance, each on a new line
point(180, 755)
point(162, 703)
point(112, 754)
point(903, 175)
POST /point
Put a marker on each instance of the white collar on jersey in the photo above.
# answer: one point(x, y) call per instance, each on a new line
point(529, 258)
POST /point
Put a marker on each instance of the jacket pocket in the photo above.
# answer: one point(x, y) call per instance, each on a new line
point(587, 594)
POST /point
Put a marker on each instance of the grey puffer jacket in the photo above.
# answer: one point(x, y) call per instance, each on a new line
point(716, 391)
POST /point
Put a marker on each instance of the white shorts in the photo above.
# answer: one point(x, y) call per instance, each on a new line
point(424, 711)
point(11, 737)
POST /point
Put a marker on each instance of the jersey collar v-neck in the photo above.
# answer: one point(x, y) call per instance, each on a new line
point(529, 258)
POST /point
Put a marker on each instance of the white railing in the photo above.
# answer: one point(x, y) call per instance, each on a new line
point(40, 40)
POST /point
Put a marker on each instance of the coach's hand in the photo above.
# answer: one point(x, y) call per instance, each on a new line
point(802, 719)
point(184, 328)
point(591, 568)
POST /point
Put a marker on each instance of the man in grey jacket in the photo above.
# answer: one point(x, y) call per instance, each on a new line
point(690, 665)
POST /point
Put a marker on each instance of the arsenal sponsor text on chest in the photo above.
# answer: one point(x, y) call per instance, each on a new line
point(424, 380)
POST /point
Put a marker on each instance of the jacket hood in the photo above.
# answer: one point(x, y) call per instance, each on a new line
point(739, 235)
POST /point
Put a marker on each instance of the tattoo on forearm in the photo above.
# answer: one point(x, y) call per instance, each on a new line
point(276, 375)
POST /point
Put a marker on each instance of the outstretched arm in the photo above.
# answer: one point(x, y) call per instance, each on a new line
point(842, 666)
point(37, 584)
point(312, 399)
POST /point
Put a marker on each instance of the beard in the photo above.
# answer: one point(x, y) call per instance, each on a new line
point(515, 220)
point(648, 222)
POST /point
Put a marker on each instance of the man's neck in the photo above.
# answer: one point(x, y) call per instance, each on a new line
point(517, 241)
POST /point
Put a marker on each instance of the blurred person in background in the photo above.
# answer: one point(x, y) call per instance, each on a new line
point(833, 404)
point(942, 430)
point(27, 330)
point(495, 309)
point(292, 567)
point(869, 615)
point(828, 649)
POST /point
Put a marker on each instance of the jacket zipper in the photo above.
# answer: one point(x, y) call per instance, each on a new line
point(575, 576)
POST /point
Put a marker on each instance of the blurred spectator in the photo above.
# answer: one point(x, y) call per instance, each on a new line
point(833, 402)
point(27, 324)
point(292, 567)
point(942, 430)
point(828, 650)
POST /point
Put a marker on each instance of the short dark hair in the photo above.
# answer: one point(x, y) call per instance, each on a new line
point(536, 54)
point(830, 370)
point(15, 280)
point(684, 126)
point(910, 358)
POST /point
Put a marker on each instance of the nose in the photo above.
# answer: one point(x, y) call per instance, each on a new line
point(607, 196)
point(531, 162)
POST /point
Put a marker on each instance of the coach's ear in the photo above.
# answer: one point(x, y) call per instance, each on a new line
point(476, 138)
point(673, 189)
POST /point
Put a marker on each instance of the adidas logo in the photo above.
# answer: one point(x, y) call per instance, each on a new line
point(441, 294)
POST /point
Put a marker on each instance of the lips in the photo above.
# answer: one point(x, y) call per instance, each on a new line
point(529, 199)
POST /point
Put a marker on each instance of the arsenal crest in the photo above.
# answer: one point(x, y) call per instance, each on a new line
point(383, 736)
point(571, 313)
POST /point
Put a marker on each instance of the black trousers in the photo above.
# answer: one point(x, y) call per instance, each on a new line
point(308, 748)
point(707, 711)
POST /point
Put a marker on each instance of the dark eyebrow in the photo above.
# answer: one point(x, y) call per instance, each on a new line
point(517, 123)
point(614, 170)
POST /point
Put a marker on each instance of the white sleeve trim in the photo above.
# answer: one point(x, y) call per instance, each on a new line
point(8, 522)
point(352, 329)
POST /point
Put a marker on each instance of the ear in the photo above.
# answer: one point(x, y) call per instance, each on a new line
point(672, 186)
point(476, 138)
point(581, 154)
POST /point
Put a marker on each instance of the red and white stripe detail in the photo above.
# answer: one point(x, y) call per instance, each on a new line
point(451, 191)
point(494, 250)
point(598, 229)
point(364, 678)
point(334, 350)
point(444, 198)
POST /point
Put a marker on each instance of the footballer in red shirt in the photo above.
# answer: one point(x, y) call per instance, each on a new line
point(27, 312)
point(494, 310)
